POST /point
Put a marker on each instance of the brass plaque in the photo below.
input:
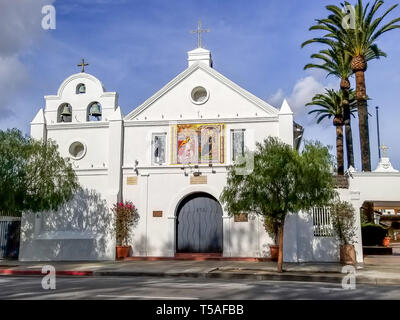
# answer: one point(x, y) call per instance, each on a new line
point(157, 214)
point(242, 217)
point(198, 180)
point(131, 180)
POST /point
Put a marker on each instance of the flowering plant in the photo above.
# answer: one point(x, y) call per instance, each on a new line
point(126, 216)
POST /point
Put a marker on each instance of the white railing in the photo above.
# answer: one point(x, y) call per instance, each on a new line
point(322, 223)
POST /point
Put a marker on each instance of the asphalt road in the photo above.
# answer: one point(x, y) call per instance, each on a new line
point(121, 288)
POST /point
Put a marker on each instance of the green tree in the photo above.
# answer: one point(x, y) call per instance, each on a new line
point(358, 38)
point(281, 182)
point(330, 105)
point(34, 176)
point(337, 62)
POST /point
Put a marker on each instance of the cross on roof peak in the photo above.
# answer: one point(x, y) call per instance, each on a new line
point(83, 64)
point(199, 31)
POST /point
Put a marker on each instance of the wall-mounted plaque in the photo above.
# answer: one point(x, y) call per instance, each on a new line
point(157, 214)
point(198, 180)
point(242, 217)
point(131, 180)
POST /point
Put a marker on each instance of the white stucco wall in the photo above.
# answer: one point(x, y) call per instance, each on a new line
point(118, 148)
point(82, 228)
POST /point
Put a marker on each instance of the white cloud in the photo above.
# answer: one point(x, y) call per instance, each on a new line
point(303, 92)
point(277, 98)
point(20, 27)
point(20, 24)
point(13, 76)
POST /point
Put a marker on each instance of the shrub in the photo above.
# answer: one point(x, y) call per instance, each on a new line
point(373, 234)
point(126, 216)
point(343, 221)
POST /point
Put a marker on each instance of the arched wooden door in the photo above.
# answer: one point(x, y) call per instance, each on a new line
point(199, 225)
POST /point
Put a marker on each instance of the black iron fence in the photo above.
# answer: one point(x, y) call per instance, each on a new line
point(10, 228)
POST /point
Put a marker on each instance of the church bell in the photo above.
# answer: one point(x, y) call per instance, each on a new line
point(66, 112)
point(95, 110)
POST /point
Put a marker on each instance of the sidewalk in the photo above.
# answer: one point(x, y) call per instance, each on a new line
point(387, 272)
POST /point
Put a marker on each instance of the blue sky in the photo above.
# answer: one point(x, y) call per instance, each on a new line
point(135, 47)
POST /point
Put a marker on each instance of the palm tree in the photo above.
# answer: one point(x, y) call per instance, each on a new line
point(330, 105)
point(359, 41)
point(337, 62)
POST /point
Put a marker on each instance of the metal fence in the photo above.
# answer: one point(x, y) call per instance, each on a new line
point(10, 229)
point(322, 223)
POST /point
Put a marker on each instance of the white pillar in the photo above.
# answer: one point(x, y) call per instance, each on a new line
point(114, 193)
point(144, 212)
point(357, 204)
point(115, 147)
point(286, 123)
point(171, 229)
point(226, 229)
point(38, 126)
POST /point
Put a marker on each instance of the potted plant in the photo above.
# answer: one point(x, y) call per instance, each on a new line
point(272, 228)
point(343, 222)
point(126, 216)
point(386, 241)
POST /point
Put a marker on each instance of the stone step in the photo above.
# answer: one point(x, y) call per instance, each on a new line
point(198, 257)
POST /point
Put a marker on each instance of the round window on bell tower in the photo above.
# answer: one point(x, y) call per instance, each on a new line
point(77, 150)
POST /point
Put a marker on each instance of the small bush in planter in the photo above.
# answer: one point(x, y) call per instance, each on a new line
point(272, 228)
point(373, 234)
point(343, 221)
point(126, 216)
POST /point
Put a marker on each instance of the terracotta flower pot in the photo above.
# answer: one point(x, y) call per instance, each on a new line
point(123, 252)
point(347, 254)
point(274, 252)
point(386, 241)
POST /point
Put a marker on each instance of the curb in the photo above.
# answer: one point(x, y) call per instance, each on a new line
point(11, 272)
point(286, 276)
point(199, 275)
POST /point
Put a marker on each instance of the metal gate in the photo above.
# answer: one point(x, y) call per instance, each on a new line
point(199, 225)
point(10, 228)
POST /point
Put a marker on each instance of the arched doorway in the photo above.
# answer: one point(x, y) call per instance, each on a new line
point(199, 225)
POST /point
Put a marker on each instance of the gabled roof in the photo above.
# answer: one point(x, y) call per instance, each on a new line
point(215, 74)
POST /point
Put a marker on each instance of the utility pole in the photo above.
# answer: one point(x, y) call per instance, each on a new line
point(377, 128)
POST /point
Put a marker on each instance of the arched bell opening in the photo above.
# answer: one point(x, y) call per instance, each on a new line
point(64, 113)
point(81, 88)
point(94, 112)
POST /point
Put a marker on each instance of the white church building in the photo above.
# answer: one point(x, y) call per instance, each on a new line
point(169, 156)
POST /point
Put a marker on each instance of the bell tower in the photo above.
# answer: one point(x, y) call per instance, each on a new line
point(81, 98)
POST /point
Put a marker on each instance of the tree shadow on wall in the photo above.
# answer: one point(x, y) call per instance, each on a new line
point(80, 230)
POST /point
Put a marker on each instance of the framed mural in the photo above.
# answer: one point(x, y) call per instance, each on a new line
point(197, 143)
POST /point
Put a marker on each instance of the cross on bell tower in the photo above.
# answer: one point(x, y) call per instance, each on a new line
point(199, 31)
point(384, 150)
point(83, 64)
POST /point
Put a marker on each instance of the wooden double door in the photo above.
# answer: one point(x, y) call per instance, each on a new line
point(199, 225)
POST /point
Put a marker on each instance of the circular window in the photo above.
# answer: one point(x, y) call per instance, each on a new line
point(77, 150)
point(199, 95)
